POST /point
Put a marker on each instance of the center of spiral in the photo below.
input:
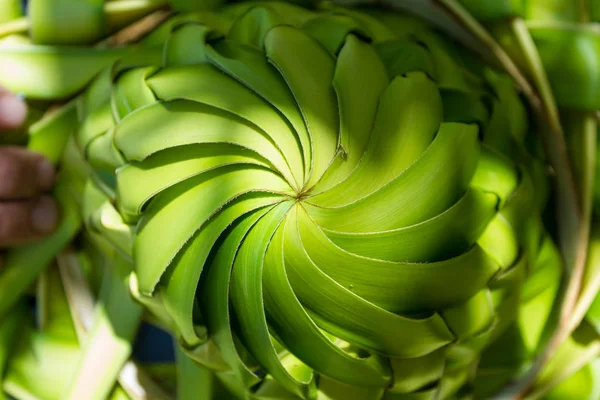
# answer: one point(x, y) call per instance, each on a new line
point(303, 194)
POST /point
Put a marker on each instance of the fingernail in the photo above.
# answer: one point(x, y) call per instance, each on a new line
point(13, 111)
point(46, 174)
point(44, 216)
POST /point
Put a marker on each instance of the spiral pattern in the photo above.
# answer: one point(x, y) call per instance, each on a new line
point(327, 201)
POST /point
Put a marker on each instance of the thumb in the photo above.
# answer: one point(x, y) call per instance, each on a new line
point(13, 111)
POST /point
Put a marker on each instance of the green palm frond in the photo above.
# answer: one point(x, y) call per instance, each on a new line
point(319, 203)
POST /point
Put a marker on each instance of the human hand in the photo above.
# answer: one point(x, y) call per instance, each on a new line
point(27, 212)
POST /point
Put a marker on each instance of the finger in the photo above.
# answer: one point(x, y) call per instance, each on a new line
point(24, 174)
point(27, 221)
point(13, 111)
